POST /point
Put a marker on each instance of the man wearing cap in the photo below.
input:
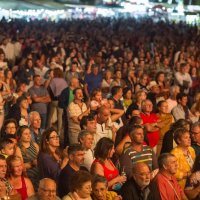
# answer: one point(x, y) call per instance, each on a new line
point(154, 90)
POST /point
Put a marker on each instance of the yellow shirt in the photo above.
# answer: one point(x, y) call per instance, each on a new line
point(183, 165)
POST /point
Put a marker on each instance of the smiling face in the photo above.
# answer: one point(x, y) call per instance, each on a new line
point(85, 190)
point(3, 168)
point(54, 139)
point(17, 167)
point(185, 140)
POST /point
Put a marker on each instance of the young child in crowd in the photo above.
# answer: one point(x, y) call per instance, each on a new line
point(6, 147)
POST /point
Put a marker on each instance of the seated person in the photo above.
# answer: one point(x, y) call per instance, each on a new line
point(6, 147)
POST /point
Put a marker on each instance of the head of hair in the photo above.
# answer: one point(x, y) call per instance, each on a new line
point(126, 90)
point(78, 179)
point(44, 147)
point(2, 157)
point(21, 129)
point(85, 120)
point(99, 179)
point(82, 134)
point(178, 133)
point(158, 74)
point(75, 90)
point(10, 161)
point(134, 122)
point(5, 142)
point(180, 96)
point(6, 122)
point(159, 104)
point(162, 159)
point(44, 180)
point(58, 73)
point(180, 123)
point(94, 92)
point(133, 128)
point(31, 115)
point(102, 149)
point(194, 125)
point(137, 165)
point(73, 148)
point(115, 90)
point(36, 76)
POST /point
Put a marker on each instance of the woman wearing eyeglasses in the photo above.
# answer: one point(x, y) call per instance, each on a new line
point(50, 159)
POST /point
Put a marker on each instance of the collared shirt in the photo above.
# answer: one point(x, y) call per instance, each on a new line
point(169, 187)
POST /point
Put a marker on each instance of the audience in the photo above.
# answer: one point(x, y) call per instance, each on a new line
point(151, 71)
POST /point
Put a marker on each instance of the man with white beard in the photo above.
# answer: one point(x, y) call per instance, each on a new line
point(139, 187)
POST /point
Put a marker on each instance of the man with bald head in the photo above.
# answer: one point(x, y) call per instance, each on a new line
point(46, 190)
point(139, 187)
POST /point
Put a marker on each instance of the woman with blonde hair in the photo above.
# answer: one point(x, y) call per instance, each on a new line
point(17, 177)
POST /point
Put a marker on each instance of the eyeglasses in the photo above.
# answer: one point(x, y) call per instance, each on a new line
point(10, 127)
point(49, 191)
point(56, 137)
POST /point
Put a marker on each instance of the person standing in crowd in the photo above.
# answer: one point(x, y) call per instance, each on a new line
point(137, 152)
point(40, 98)
point(17, 179)
point(151, 122)
point(76, 159)
point(76, 110)
point(93, 79)
point(185, 155)
point(80, 186)
point(104, 166)
point(35, 127)
point(86, 139)
point(195, 131)
point(57, 84)
point(166, 181)
point(50, 159)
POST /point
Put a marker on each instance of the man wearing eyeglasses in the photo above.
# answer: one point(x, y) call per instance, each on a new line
point(195, 130)
point(46, 190)
point(139, 187)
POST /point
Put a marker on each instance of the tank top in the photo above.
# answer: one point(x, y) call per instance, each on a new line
point(23, 190)
point(109, 174)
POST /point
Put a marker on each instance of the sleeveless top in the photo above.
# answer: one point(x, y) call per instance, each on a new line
point(109, 174)
point(30, 154)
point(23, 190)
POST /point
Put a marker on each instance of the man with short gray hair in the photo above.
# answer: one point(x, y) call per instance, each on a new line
point(195, 130)
point(46, 190)
point(166, 180)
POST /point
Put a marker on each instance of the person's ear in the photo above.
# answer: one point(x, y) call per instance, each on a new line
point(164, 166)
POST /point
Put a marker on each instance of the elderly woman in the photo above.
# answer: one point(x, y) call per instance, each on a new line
point(100, 189)
point(50, 160)
point(103, 164)
point(19, 182)
point(185, 155)
point(80, 186)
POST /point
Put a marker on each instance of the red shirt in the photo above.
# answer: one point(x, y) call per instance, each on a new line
point(169, 187)
point(153, 137)
point(109, 174)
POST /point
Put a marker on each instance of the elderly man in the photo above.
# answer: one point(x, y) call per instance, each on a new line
point(139, 187)
point(195, 130)
point(35, 126)
point(166, 180)
point(46, 190)
point(137, 152)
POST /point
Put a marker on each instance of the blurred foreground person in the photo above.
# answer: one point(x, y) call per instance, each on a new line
point(46, 190)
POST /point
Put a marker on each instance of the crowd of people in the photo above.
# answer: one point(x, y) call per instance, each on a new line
point(104, 109)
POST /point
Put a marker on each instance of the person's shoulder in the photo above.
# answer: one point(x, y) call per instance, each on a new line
point(34, 197)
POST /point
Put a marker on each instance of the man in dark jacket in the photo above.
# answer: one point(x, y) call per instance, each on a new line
point(139, 186)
